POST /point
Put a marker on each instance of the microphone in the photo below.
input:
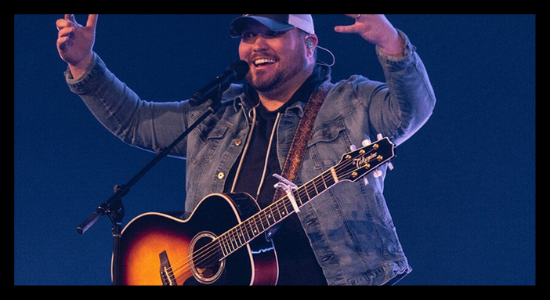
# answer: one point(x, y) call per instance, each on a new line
point(236, 71)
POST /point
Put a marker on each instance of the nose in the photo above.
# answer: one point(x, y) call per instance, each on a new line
point(260, 43)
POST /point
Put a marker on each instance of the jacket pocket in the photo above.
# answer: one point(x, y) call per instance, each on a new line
point(328, 143)
point(212, 129)
point(211, 133)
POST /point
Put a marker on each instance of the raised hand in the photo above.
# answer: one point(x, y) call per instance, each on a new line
point(377, 30)
point(75, 42)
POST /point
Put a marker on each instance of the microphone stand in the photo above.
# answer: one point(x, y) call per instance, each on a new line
point(113, 207)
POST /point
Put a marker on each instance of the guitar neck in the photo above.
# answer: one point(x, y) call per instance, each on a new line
point(279, 210)
point(353, 166)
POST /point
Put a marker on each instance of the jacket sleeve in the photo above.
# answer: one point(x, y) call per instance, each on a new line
point(401, 107)
point(123, 113)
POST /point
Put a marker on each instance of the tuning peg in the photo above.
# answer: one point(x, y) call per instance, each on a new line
point(365, 180)
point(390, 166)
point(377, 173)
point(353, 147)
point(366, 142)
point(379, 136)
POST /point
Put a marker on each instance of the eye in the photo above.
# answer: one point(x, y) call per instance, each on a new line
point(250, 36)
point(247, 36)
point(274, 34)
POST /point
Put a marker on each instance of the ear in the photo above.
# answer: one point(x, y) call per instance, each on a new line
point(311, 41)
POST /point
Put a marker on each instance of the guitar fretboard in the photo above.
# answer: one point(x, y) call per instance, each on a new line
point(353, 166)
point(259, 223)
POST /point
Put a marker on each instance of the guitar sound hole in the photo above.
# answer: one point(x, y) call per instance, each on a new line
point(207, 262)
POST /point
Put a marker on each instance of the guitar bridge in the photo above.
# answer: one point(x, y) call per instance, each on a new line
point(166, 273)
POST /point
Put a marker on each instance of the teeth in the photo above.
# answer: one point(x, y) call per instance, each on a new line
point(264, 61)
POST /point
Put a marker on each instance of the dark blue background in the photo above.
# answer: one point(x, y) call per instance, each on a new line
point(462, 194)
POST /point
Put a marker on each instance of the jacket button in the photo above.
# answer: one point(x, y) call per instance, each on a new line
point(238, 142)
point(221, 175)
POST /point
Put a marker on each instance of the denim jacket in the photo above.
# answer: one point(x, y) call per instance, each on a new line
point(349, 226)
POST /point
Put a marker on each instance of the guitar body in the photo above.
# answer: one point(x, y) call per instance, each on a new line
point(158, 249)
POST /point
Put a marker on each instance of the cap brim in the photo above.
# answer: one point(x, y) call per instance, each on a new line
point(240, 23)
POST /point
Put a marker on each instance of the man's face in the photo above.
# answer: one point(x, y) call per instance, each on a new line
point(275, 58)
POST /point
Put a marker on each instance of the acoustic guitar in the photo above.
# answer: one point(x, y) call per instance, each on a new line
point(222, 242)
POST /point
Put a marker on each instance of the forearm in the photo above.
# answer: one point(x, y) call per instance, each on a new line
point(147, 125)
point(105, 96)
point(409, 87)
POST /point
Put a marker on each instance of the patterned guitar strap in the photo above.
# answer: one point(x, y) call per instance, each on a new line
point(303, 133)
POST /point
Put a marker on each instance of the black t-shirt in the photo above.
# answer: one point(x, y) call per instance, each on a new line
point(297, 263)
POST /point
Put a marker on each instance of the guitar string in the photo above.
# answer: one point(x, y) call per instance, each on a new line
point(210, 252)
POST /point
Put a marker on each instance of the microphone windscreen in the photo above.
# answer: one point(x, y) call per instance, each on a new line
point(240, 67)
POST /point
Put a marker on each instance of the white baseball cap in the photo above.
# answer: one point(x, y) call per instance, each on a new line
point(275, 22)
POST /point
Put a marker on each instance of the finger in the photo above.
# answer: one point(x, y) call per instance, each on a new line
point(61, 23)
point(65, 32)
point(92, 21)
point(70, 17)
point(62, 43)
point(68, 20)
point(64, 37)
point(345, 29)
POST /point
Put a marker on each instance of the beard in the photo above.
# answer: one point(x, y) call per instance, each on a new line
point(283, 74)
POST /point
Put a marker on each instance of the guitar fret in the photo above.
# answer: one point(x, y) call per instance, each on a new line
point(229, 243)
point(222, 245)
point(264, 220)
point(267, 215)
point(236, 239)
point(285, 211)
point(314, 187)
point(232, 242)
point(259, 222)
point(331, 178)
point(301, 194)
point(311, 192)
point(319, 189)
point(273, 214)
point(239, 235)
point(324, 182)
point(334, 176)
point(279, 215)
point(298, 197)
point(243, 232)
point(254, 226)
point(307, 194)
point(247, 232)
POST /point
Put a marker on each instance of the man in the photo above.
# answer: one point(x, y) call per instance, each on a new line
point(346, 235)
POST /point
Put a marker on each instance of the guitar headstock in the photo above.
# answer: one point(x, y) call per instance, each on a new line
point(360, 162)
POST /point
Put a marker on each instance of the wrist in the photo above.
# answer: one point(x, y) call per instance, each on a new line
point(78, 69)
point(394, 45)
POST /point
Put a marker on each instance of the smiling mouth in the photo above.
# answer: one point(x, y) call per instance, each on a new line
point(263, 62)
